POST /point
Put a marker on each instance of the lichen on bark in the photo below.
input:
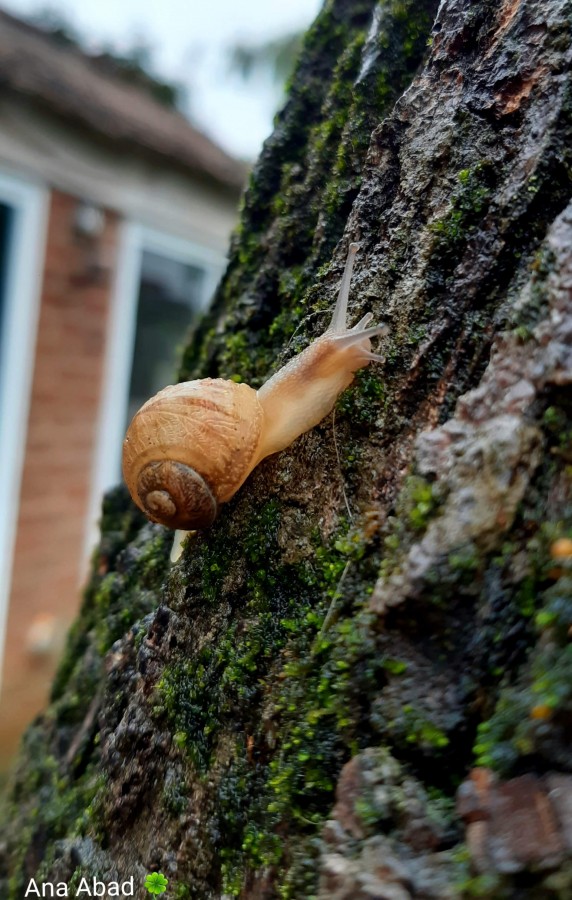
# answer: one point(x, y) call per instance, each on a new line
point(291, 709)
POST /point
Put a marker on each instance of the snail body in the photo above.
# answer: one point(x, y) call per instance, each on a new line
point(191, 446)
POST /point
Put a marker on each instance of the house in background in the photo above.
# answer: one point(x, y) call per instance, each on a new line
point(115, 215)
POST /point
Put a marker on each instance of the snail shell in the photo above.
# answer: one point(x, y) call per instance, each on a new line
point(190, 448)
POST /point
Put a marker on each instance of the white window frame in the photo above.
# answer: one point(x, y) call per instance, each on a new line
point(134, 239)
point(23, 286)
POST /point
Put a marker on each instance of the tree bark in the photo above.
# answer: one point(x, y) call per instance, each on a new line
point(358, 682)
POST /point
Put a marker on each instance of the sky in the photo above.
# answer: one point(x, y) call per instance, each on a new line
point(191, 40)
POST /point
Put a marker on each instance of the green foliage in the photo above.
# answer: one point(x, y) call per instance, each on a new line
point(133, 66)
point(275, 56)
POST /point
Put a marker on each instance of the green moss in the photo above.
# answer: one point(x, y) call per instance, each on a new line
point(465, 559)
point(200, 694)
point(362, 403)
point(467, 884)
point(240, 360)
point(412, 727)
point(281, 632)
point(468, 205)
point(556, 614)
point(113, 601)
point(417, 504)
point(122, 598)
point(67, 806)
point(421, 502)
point(401, 42)
point(394, 666)
point(557, 423)
point(174, 798)
point(544, 690)
point(415, 335)
point(551, 685)
point(526, 316)
point(488, 885)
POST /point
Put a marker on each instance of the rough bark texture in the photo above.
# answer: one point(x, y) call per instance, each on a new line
point(358, 683)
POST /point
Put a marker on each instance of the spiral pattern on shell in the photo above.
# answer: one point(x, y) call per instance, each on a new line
point(175, 495)
point(190, 448)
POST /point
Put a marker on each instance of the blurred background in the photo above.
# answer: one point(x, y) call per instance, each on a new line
point(126, 134)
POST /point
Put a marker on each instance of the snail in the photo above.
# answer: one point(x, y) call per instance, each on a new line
point(191, 446)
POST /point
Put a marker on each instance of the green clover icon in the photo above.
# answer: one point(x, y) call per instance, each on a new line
point(156, 883)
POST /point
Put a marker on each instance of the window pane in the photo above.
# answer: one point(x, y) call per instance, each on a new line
point(6, 216)
point(170, 295)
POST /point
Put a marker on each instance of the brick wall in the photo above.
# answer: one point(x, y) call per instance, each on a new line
point(57, 472)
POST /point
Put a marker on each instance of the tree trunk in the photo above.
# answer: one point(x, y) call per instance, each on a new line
point(358, 682)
